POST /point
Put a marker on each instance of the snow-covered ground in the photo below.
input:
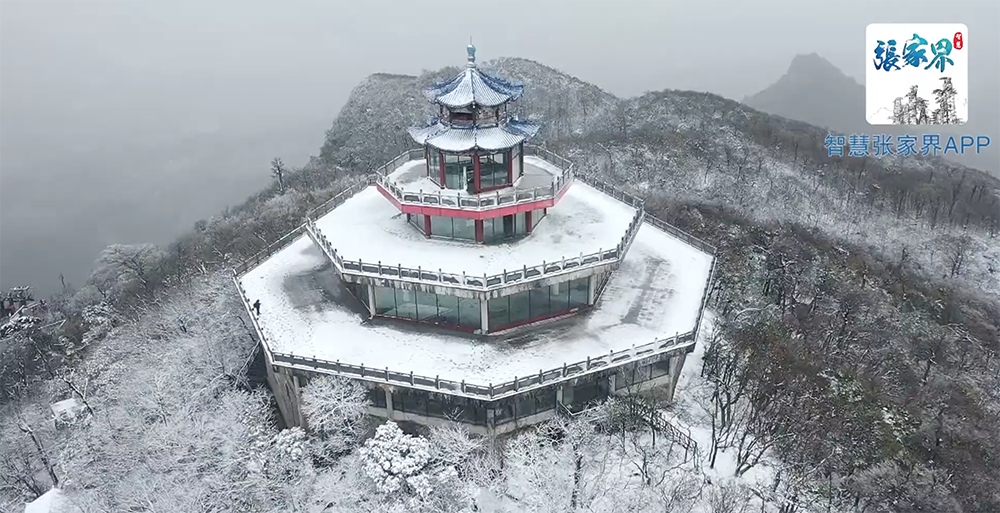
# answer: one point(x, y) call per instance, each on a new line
point(368, 227)
point(654, 295)
point(412, 177)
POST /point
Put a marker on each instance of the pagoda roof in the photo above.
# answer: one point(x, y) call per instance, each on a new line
point(472, 86)
point(454, 138)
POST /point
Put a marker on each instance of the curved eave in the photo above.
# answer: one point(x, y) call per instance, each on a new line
point(473, 87)
point(493, 138)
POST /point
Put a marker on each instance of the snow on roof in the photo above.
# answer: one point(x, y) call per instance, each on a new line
point(465, 138)
point(474, 86)
point(67, 409)
point(46, 503)
point(369, 228)
point(412, 177)
point(655, 294)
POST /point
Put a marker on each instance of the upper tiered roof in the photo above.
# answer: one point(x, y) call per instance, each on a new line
point(473, 87)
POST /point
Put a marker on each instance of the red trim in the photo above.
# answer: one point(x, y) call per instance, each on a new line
point(475, 171)
point(479, 231)
point(537, 319)
point(441, 325)
point(427, 226)
point(471, 214)
point(527, 221)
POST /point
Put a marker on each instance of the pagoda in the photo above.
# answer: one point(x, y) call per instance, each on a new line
point(478, 279)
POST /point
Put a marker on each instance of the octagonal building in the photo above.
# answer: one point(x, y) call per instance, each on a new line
point(478, 279)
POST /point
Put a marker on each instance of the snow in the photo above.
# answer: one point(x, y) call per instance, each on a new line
point(47, 503)
point(368, 227)
point(655, 294)
point(412, 177)
point(67, 410)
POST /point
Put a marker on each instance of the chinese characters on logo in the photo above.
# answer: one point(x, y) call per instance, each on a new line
point(881, 145)
point(914, 54)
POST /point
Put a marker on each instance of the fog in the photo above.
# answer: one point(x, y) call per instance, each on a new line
point(129, 121)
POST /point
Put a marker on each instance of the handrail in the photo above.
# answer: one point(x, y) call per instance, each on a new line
point(462, 388)
point(475, 282)
point(459, 200)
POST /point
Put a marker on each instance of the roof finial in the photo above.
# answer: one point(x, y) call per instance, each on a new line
point(472, 53)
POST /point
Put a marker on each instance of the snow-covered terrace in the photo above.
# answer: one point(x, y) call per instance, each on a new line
point(545, 176)
point(367, 232)
point(652, 304)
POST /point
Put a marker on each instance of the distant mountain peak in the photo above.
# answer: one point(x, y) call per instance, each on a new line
point(813, 65)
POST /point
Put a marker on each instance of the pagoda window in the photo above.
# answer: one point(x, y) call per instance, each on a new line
point(385, 301)
point(427, 307)
point(442, 227)
point(406, 304)
point(462, 117)
point(559, 297)
point(417, 220)
point(519, 310)
point(499, 312)
point(493, 172)
point(448, 310)
point(579, 291)
point(458, 171)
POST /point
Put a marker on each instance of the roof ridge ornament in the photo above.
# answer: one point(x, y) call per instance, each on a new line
point(472, 54)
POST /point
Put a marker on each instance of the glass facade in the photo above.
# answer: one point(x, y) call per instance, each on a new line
point(440, 406)
point(498, 229)
point(493, 171)
point(537, 303)
point(359, 291)
point(417, 220)
point(458, 172)
point(428, 307)
point(434, 165)
point(630, 376)
point(453, 228)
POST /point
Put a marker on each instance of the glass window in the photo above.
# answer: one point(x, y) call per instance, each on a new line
point(417, 220)
point(526, 405)
point(435, 407)
point(406, 304)
point(499, 312)
point(376, 397)
point(397, 401)
point(434, 165)
point(519, 227)
point(660, 368)
point(458, 169)
point(579, 291)
point(447, 309)
point(536, 216)
point(385, 301)
point(492, 230)
point(464, 229)
point(516, 162)
point(559, 297)
point(539, 301)
point(519, 307)
point(427, 306)
point(470, 314)
point(441, 226)
point(546, 399)
point(493, 170)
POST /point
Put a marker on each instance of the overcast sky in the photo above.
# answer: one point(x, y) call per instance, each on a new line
point(111, 100)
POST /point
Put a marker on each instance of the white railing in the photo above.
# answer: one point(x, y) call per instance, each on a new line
point(461, 200)
point(478, 391)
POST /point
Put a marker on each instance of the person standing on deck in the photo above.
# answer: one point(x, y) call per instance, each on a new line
point(256, 307)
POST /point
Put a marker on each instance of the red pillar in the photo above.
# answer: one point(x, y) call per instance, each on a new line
point(527, 221)
point(479, 231)
point(427, 226)
point(510, 166)
point(475, 171)
point(441, 160)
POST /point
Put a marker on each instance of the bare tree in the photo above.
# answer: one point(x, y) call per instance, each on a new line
point(278, 172)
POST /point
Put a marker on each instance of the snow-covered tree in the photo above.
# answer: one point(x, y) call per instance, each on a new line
point(335, 410)
point(402, 465)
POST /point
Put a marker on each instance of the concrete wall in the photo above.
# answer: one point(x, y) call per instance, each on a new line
point(287, 393)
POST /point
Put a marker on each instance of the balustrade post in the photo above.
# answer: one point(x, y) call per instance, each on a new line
point(541, 376)
point(387, 374)
point(563, 373)
point(411, 378)
point(491, 389)
point(437, 381)
point(588, 363)
point(515, 384)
